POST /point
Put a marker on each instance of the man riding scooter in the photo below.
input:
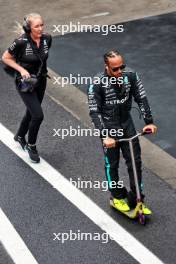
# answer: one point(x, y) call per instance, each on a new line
point(110, 104)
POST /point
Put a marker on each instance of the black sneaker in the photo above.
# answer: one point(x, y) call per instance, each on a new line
point(33, 153)
point(21, 140)
point(132, 199)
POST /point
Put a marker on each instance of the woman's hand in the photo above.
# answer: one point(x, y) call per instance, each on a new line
point(24, 73)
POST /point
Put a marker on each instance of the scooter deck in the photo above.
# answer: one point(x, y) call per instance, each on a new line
point(132, 213)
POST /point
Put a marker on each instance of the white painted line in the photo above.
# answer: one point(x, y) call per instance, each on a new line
point(96, 15)
point(84, 204)
point(13, 243)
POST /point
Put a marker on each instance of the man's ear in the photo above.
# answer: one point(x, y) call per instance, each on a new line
point(106, 66)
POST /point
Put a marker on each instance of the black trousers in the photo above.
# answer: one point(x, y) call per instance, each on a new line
point(112, 157)
point(34, 114)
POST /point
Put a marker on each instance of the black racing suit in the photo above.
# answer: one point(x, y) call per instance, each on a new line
point(110, 106)
point(25, 56)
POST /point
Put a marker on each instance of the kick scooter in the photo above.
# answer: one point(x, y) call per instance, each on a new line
point(137, 211)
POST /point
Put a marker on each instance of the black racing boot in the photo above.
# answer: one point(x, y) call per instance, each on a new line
point(33, 153)
point(21, 140)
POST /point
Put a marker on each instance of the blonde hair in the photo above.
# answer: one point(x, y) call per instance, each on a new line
point(18, 28)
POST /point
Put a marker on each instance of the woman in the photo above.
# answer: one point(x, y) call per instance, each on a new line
point(28, 55)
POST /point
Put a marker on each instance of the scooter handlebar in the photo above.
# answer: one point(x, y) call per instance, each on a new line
point(146, 132)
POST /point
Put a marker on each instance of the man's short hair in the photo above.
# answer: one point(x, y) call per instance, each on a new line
point(111, 54)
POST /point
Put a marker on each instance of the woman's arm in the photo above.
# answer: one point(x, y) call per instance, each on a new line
point(8, 59)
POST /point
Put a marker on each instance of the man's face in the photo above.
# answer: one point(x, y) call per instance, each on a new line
point(115, 66)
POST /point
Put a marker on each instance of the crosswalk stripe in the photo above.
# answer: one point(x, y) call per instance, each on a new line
point(13, 243)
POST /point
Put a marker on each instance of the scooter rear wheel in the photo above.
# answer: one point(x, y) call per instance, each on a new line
point(142, 219)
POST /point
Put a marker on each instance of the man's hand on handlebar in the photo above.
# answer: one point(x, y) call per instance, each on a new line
point(150, 127)
point(109, 142)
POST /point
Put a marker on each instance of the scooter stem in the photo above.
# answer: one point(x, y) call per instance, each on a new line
point(134, 171)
